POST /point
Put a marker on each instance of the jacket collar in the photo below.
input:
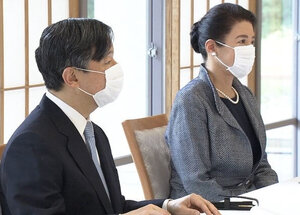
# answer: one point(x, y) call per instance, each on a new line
point(248, 102)
point(220, 106)
point(77, 149)
point(108, 168)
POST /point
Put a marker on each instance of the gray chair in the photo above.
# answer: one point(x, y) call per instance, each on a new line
point(150, 154)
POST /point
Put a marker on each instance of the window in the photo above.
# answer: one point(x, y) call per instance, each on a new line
point(141, 96)
point(20, 79)
point(278, 84)
point(130, 50)
point(130, 46)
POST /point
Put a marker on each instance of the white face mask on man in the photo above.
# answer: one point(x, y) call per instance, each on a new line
point(113, 87)
point(243, 60)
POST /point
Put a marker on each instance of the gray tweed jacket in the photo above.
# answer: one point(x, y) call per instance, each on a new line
point(211, 155)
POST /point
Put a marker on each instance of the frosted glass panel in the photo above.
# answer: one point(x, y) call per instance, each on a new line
point(198, 59)
point(185, 77)
point(35, 95)
point(185, 28)
point(14, 51)
point(199, 9)
point(130, 182)
point(196, 71)
point(14, 109)
point(230, 1)
point(214, 2)
point(280, 149)
point(60, 10)
point(277, 45)
point(38, 20)
point(129, 23)
point(244, 3)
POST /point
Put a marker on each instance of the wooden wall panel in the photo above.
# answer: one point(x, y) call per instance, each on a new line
point(49, 12)
point(172, 51)
point(73, 8)
point(252, 75)
point(1, 76)
point(26, 33)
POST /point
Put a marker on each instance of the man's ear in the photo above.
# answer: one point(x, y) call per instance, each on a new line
point(69, 77)
point(210, 47)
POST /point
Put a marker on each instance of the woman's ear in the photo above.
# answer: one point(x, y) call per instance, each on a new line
point(69, 77)
point(210, 46)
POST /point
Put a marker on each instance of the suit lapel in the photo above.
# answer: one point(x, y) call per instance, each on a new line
point(227, 115)
point(108, 168)
point(85, 163)
point(251, 110)
point(254, 117)
point(220, 106)
point(78, 150)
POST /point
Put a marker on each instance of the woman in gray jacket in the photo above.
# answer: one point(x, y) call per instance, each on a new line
point(216, 135)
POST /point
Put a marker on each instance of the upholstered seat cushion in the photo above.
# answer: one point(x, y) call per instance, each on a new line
point(156, 157)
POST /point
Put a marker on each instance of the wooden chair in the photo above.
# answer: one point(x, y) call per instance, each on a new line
point(2, 147)
point(150, 153)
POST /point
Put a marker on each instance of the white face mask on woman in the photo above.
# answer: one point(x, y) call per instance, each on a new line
point(113, 87)
point(243, 60)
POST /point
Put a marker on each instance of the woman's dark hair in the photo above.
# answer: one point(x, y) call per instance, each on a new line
point(71, 42)
point(217, 23)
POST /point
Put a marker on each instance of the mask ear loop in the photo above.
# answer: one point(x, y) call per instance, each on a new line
point(88, 70)
point(223, 44)
point(85, 92)
point(215, 55)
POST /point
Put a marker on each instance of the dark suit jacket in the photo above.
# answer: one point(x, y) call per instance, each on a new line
point(46, 169)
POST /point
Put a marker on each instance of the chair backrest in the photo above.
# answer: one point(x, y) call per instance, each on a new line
point(150, 153)
point(2, 147)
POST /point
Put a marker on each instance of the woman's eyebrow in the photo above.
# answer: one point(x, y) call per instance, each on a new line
point(243, 36)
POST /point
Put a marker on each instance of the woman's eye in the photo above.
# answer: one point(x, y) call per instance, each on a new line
point(242, 42)
point(108, 62)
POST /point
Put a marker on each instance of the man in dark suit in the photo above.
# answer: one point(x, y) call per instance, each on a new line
point(50, 165)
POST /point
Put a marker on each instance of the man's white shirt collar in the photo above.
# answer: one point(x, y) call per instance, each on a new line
point(76, 118)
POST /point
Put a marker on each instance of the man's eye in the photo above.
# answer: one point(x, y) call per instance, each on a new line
point(108, 62)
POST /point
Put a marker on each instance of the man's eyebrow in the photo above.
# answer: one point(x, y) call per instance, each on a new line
point(110, 52)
